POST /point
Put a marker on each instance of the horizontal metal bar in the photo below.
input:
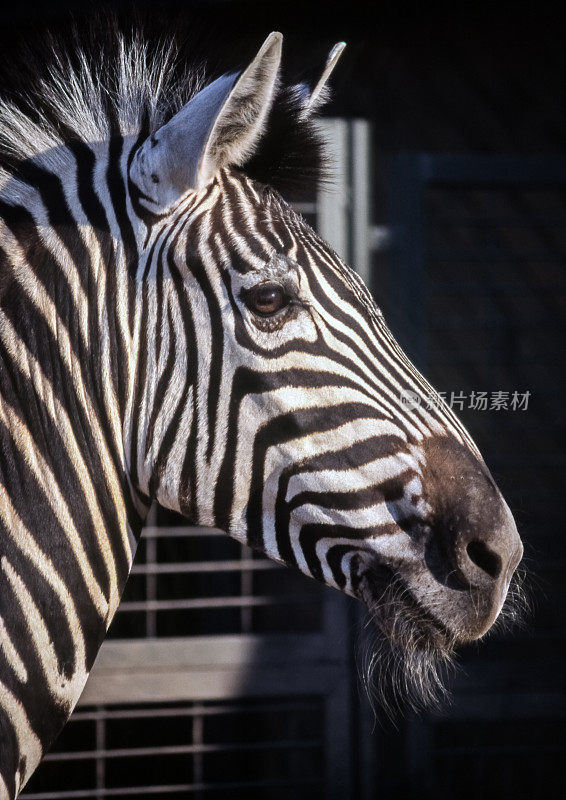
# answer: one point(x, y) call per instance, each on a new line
point(179, 531)
point(212, 602)
point(185, 669)
point(128, 791)
point(182, 749)
point(200, 711)
point(79, 794)
point(239, 565)
point(225, 651)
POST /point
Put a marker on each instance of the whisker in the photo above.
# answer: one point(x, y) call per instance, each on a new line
point(400, 664)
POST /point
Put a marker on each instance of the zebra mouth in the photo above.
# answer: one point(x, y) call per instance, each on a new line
point(405, 656)
point(398, 614)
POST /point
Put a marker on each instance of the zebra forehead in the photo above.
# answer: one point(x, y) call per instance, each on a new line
point(247, 225)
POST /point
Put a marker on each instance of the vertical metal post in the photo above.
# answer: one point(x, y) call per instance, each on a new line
point(246, 590)
point(100, 744)
point(360, 166)
point(150, 587)
point(333, 201)
point(343, 217)
point(151, 578)
point(198, 740)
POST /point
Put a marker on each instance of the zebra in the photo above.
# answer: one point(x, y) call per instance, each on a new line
point(172, 331)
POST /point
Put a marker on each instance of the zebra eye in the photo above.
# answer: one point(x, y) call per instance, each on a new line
point(266, 299)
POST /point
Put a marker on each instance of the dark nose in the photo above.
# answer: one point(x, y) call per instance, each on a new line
point(473, 533)
point(478, 555)
point(483, 555)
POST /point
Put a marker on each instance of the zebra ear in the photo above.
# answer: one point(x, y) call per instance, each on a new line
point(219, 127)
point(318, 96)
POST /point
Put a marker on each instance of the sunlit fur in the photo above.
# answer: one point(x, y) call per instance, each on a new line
point(98, 80)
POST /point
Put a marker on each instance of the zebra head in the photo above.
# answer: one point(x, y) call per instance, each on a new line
point(171, 329)
point(272, 402)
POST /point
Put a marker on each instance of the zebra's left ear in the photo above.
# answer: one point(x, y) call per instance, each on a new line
point(219, 127)
point(317, 97)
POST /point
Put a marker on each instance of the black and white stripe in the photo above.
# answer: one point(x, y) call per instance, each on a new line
point(133, 367)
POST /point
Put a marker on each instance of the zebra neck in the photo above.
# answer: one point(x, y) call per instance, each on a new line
point(67, 533)
point(160, 424)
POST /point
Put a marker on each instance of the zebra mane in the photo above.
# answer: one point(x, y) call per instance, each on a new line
point(102, 79)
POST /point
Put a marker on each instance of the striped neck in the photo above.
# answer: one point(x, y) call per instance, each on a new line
point(69, 516)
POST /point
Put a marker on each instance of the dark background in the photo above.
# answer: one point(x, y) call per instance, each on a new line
point(485, 311)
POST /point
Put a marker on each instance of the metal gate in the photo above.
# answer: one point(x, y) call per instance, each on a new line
point(224, 674)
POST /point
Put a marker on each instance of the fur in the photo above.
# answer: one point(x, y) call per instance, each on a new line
point(103, 78)
point(401, 665)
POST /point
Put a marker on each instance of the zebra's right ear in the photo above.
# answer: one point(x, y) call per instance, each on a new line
point(219, 127)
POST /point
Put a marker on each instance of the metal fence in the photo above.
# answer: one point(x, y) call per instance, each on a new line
point(200, 749)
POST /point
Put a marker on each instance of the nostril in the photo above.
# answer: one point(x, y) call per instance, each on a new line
point(484, 558)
